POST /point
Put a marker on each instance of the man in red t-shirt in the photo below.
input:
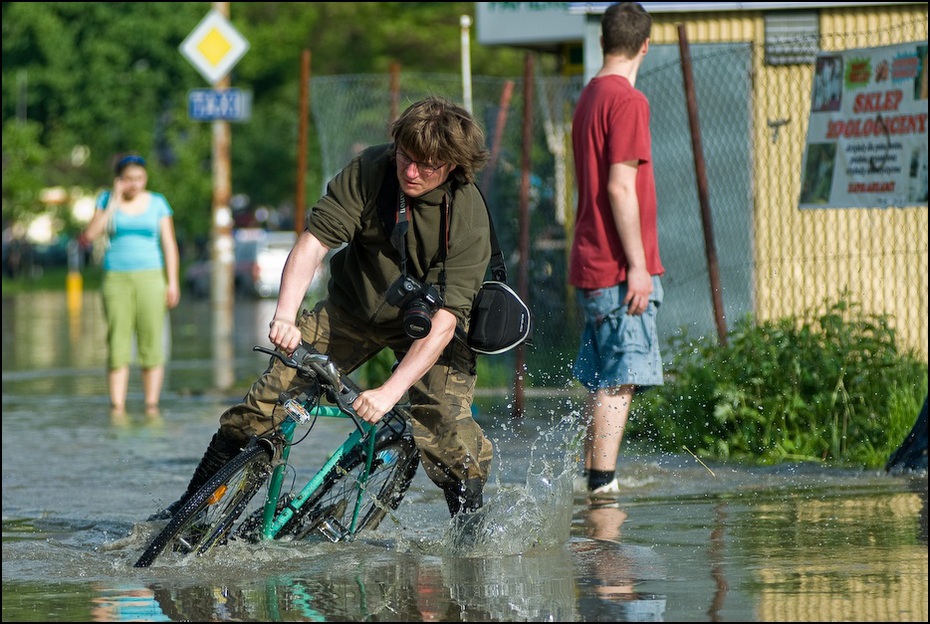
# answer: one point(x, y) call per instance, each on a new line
point(614, 264)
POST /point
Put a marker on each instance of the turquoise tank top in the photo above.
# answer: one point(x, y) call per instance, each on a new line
point(135, 240)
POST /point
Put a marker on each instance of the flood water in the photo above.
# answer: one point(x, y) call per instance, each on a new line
point(685, 541)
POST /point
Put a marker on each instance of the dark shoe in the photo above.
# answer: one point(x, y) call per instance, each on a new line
point(608, 490)
point(218, 453)
point(465, 496)
point(465, 499)
point(466, 531)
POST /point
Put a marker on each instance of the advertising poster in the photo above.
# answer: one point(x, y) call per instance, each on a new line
point(867, 137)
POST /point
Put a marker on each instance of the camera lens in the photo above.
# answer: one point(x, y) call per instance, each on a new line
point(417, 321)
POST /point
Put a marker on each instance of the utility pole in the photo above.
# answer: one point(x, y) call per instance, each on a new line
point(213, 47)
point(222, 278)
point(465, 23)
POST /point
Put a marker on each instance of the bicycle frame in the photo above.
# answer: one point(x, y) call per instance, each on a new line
point(360, 482)
point(272, 520)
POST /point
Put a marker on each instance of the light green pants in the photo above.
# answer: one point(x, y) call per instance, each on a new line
point(134, 304)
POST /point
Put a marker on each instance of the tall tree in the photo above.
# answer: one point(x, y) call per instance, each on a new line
point(85, 81)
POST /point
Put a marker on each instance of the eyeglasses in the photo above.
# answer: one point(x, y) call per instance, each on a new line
point(424, 169)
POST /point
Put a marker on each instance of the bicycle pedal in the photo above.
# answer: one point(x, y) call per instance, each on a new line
point(332, 530)
point(297, 411)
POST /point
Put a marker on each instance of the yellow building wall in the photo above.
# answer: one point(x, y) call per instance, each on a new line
point(876, 257)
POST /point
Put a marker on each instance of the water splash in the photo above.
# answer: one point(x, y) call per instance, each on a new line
point(535, 514)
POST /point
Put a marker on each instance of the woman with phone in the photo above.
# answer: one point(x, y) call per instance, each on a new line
point(140, 282)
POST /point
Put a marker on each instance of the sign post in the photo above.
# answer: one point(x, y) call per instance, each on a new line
point(213, 48)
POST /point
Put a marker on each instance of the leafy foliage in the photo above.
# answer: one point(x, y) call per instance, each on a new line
point(22, 180)
point(86, 81)
point(828, 387)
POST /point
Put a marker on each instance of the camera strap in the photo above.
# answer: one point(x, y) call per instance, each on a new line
point(399, 238)
point(497, 265)
point(399, 233)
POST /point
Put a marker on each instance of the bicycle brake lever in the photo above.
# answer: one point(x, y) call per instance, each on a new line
point(345, 397)
point(288, 360)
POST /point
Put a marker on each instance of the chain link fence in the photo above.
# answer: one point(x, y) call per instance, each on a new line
point(774, 260)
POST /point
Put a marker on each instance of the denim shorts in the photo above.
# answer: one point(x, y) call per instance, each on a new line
point(617, 348)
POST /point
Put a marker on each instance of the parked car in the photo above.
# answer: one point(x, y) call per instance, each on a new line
point(259, 260)
point(262, 261)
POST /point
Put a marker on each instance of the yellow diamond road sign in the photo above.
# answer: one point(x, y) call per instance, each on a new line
point(214, 47)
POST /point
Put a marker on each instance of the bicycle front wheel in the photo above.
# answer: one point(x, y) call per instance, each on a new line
point(331, 510)
point(205, 519)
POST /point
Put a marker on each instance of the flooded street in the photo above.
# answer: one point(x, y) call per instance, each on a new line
point(685, 541)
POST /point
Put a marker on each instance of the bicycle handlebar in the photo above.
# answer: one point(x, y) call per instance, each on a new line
point(308, 362)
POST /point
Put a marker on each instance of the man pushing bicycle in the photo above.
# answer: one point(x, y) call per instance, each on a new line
point(412, 235)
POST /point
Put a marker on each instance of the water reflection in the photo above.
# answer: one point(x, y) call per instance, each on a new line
point(54, 349)
point(126, 604)
point(875, 535)
point(536, 588)
point(608, 571)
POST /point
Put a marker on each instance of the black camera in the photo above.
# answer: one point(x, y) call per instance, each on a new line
point(418, 301)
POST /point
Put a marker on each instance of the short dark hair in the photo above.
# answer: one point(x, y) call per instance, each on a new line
point(625, 27)
point(438, 130)
point(125, 161)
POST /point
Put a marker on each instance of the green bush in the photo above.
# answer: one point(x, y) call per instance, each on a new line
point(831, 387)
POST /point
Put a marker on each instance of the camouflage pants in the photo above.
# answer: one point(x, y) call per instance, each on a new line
point(453, 448)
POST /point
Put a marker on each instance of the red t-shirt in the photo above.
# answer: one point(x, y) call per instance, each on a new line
point(610, 125)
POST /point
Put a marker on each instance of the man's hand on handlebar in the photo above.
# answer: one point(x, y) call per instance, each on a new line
point(372, 405)
point(284, 335)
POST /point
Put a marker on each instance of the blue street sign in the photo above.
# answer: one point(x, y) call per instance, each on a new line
point(219, 105)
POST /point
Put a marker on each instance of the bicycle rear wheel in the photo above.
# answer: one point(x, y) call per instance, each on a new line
point(206, 518)
point(329, 511)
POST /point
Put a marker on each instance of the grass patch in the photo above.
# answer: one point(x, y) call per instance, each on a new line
point(50, 279)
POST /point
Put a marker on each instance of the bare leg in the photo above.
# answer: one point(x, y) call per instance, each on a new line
point(607, 410)
point(152, 379)
point(118, 379)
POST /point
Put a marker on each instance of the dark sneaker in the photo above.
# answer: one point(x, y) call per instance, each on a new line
point(608, 490)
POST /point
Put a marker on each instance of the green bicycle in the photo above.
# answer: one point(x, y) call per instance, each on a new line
point(365, 478)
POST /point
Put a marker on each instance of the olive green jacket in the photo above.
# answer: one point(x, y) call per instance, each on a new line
point(347, 218)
